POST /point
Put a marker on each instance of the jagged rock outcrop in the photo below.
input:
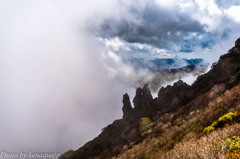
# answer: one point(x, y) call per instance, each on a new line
point(172, 97)
point(237, 43)
point(142, 100)
point(236, 48)
point(127, 108)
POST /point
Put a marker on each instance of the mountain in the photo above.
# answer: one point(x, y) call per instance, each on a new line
point(197, 121)
point(165, 63)
point(163, 76)
point(166, 70)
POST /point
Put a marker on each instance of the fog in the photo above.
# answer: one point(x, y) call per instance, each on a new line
point(59, 85)
point(55, 92)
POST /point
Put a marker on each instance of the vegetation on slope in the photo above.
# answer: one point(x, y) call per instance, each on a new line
point(181, 133)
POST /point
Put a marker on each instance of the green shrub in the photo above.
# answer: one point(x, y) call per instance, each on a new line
point(233, 143)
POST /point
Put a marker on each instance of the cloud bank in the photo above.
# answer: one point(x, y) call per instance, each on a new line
point(177, 26)
point(53, 85)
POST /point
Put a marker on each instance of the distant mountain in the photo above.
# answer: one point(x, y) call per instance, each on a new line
point(197, 121)
point(167, 63)
point(167, 75)
point(168, 70)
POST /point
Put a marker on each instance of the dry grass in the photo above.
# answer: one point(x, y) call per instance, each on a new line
point(210, 146)
point(179, 137)
point(207, 147)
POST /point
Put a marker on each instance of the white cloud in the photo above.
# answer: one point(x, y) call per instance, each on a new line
point(125, 49)
point(206, 12)
point(166, 4)
point(233, 13)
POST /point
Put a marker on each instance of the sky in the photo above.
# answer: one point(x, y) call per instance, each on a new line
point(62, 73)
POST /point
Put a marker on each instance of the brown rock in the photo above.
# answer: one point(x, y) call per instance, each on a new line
point(127, 108)
point(142, 100)
point(237, 43)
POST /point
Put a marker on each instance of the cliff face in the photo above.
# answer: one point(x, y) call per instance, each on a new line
point(173, 103)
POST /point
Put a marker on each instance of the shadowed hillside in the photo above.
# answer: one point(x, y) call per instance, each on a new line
point(197, 121)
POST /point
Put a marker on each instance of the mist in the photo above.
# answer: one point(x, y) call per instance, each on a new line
point(59, 84)
point(55, 93)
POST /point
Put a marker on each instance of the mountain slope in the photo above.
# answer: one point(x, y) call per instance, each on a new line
point(179, 118)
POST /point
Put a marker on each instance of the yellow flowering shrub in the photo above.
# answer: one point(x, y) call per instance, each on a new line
point(223, 120)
